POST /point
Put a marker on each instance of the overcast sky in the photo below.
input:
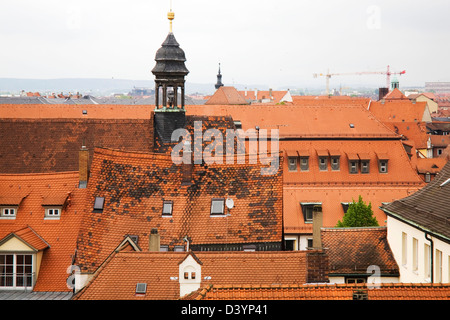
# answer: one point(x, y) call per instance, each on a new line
point(270, 42)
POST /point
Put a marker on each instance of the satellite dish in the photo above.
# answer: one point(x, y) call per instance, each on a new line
point(229, 203)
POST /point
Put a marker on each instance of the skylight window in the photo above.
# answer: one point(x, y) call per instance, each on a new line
point(99, 203)
point(141, 288)
point(167, 208)
point(217, 206)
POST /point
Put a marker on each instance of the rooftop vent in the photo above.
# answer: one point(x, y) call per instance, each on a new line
point(141, 288)
point(445, 182)
point(351, 125)
point(84, 111)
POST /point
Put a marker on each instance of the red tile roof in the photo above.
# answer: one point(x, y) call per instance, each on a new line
point(303, 121)
point(160, 271)
point(331, 188)
point(57, 238)
point(399, 110)
point(354, 250)
point(226, 95)
point(135, 184)
point(395, 94)
point(52, 145)
point(396, 291)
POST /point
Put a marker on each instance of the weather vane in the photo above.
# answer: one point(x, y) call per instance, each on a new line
point(171, 15)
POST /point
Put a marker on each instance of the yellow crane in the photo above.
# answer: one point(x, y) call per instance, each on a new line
point(328, 75)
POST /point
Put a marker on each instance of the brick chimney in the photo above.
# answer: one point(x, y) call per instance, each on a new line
point(154, 240)
point(317, 225)
point(83, 167)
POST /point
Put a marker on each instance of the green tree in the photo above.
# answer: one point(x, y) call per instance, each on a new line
point(358, 215)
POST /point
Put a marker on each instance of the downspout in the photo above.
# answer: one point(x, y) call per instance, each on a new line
point(427, 236)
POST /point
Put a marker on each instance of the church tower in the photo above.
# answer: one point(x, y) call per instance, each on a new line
point(219, 80)
point(169, 73)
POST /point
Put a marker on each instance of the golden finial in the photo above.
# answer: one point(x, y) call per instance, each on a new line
point(171, 16)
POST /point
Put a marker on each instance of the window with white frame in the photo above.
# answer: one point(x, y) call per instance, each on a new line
point(415, 253)
point(53, 212)
point(167, 208)
point(383, 166)
point(16, 271)
point(8, 212)
point(426, 261)
point(438, 267)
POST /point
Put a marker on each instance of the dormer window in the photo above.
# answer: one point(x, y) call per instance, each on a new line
point(323, 163)
point(304, 163)
point(8, 212)
point(335, 163)
point(292, 164)
point(167, 208)
point(52, 212)
point(365, 166)
point(383, 166)
point(217, 207)
point(353, 166)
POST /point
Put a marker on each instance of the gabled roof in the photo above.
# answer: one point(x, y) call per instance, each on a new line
point(430, 165)
point(426, 209)
point(395, 94)
point(226, 96)
point(29, 237)
point(353, 250)
point(134, 186)
point(383, 291)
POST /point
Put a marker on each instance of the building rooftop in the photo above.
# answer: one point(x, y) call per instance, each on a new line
point(135, 185)
point(427, 208)
point(396, 291)
point(353, 250)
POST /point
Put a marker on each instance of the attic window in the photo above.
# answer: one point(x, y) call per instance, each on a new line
point(383, 166)
point(99, 203)
point(217, 206)
point(52, 212)
point(167, 208)
point(307, 210)
point(141, 288)
point(8, 212)
point(292, 164)
point(365, 166)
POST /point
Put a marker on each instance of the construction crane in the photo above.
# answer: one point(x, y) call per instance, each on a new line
point(388, 74)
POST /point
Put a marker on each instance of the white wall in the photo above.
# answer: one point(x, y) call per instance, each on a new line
point(407, 274)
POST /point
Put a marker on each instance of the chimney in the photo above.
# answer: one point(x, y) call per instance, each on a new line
point(270, 93)
point(187, 166)
point(83, 167)
point(154, 241)
point(382, 92)
point(317, 224)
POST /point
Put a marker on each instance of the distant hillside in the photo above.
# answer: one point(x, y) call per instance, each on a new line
point(87, 86)
point(97, 87)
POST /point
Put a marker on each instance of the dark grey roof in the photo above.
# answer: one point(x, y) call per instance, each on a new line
point(428, 208)
point(170, 58)
point(24, 295)
point(21, 100)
